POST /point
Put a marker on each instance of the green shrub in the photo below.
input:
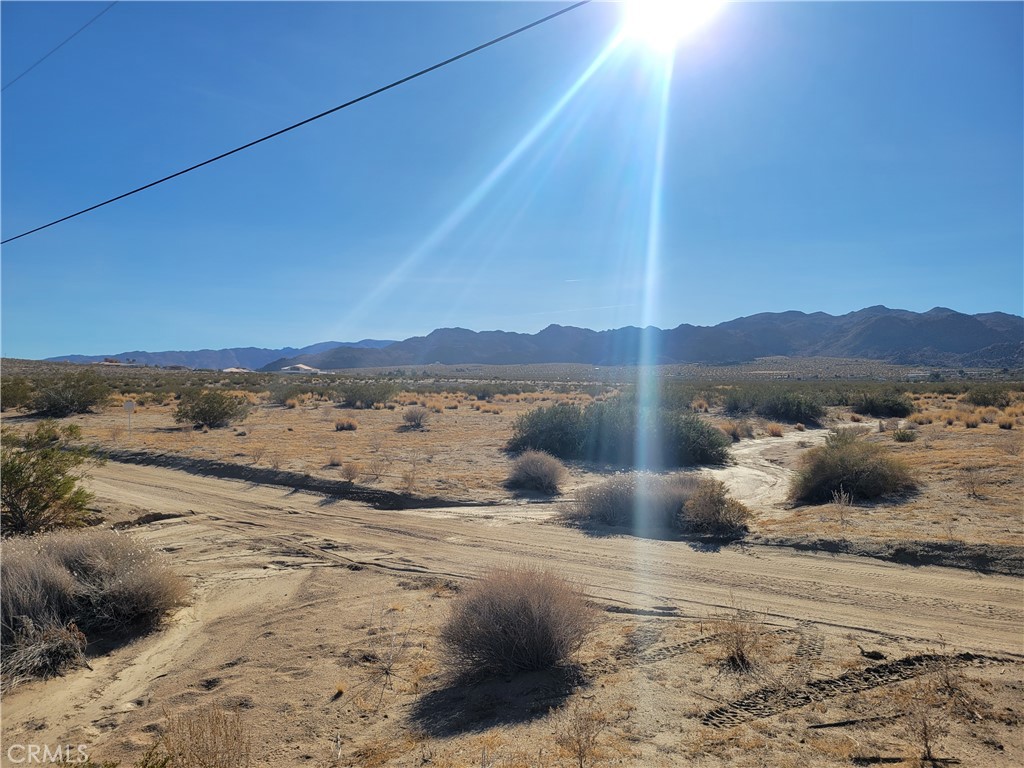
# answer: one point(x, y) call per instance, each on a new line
point(610, 432)
point(41, 473)
point(557, 430)
point(69, 394)
point(690, 440)
point(884, 405)
point(791, 406)
point(988, 395)
point(515, 620)
point(59, 585)
point(904, 435)
point(354, 394)
point(210, 408)
point(536, 471)
point(15, 392)
point(847, 463)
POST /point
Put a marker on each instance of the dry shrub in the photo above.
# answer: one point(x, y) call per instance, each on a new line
point(536, 471)
point(740, 639)
point(926, 713)
point(515, 620)
point(1006, 423)
point(345, 425)
point(737, 430)
point(799, 427)
point(334, 460)
point(98, 582)
point(774, 430)
point(710, 511)
point(415, 417)
point(847, 462)
point(41, 651)
point(856, 418)
point(971, 422)
point(207, 738)
point(579, 731)
point(650, 504)
point(350, 471)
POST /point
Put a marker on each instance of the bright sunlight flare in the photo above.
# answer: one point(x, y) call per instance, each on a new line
point(664, 24)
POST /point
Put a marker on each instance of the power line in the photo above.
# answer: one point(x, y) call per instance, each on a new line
point(68, 40)
point(301, 123)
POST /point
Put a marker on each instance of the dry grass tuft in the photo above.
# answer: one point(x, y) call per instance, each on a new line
point(206, 738)
point(346, 424)
point(774, 430)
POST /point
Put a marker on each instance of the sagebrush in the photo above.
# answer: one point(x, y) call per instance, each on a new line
point(850, 464)
point(515, 620)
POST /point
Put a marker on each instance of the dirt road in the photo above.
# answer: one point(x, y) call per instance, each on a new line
point(260, 557)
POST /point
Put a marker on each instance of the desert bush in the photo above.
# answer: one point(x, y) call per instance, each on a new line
point(991, 395)
point(536, 471)
point(791, 406)
point(41, 472)
point(69, 394)
point(209, 408)
point(15, 391)
point(774, 430)
point(971, 422)
point(350, 471)
point(639, 501)
point(40, 651)
point(1006, 423)
point(651, 504)
point(415, 417)
point(515, 620)
point(709, 511)
point(849, 463)
point(690, 440)
point(345, 425)
point(884, 404)
point(354, 394)
point(96, 582)
point(904, 435)
point(557, 430)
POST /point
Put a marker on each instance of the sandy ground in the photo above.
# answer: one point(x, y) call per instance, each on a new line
point(297, 597)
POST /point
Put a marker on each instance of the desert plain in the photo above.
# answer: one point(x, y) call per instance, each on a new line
point(315, 598)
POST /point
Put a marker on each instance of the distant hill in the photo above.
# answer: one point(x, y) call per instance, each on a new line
point(938, 337)
point(217, 359)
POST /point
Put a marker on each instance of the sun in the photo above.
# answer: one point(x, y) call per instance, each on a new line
point(663, 24)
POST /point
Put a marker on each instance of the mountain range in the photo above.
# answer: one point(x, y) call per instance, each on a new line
point(938, 337)
point(218, 359)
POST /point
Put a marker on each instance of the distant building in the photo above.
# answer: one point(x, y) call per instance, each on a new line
point(236, 370)
point(299, 368)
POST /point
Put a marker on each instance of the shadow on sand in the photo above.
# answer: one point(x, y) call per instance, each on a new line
point(467, 706)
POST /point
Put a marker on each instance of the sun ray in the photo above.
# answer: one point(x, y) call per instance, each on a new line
point(391, 282)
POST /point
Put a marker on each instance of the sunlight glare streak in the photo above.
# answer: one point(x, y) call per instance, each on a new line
point(647, 386)
point(392, 280)
point(663, 24)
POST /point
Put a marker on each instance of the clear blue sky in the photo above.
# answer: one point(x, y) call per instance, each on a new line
point(817, 156)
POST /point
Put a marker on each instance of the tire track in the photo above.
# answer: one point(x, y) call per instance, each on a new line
point(771, 701)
